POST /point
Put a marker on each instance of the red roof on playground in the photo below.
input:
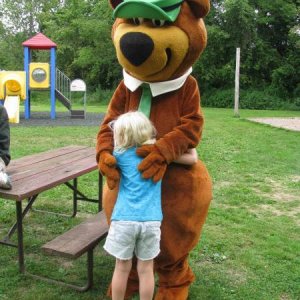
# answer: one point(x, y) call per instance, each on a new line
point(39, 41)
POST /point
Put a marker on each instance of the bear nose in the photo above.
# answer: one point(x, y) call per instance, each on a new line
point(136, 47)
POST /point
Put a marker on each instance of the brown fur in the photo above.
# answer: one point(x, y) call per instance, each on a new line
point(177, 116)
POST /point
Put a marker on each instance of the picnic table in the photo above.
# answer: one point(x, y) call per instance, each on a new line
point(34, 174)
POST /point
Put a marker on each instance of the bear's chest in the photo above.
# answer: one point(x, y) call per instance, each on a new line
point(166, 109)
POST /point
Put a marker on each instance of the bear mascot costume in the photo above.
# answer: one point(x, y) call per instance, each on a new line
point(156, 43)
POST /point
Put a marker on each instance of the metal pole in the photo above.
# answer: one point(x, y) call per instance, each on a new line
point(52, 82)
point(20, 236)
point(74, 197)
point(237, 83)
point(26, 69)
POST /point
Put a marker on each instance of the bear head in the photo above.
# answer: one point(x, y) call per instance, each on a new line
point(158, 40)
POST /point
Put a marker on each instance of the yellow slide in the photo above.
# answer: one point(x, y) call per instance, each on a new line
point(13, 89)
point(12, 104)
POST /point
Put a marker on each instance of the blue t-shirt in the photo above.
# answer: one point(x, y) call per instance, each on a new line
point(139, 199)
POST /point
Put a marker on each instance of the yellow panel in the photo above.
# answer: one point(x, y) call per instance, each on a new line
point(39, 75)
point(13, 83)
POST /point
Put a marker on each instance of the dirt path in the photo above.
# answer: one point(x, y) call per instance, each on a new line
point(286, 123)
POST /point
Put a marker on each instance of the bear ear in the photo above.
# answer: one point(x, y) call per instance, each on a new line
point(115, 3)
point(200, 8)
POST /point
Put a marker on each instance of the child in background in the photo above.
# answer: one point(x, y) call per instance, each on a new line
point(5, 182)
point(137, 215)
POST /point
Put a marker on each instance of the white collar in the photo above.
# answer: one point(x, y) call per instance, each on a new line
point(157, 88)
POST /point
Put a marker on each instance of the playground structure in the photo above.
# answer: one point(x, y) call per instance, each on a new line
point(16, 86)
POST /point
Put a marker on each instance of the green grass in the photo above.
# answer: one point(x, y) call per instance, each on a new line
point(250, 243)
point(40, 101)
point(61, 108)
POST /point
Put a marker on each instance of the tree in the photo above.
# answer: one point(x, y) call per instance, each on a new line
point(82, 31)
point(20, 21)
point(267, 33)
point(23, 15)
point(274, 21)
point(239, 21)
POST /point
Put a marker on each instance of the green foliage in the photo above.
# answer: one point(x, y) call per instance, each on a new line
point(100, 96)
point(218, 98)
point(259, 99)
point(213, 70)
point(82, 31)
point(284, 78)
point(238, 14)
point(96, 97)
point(23, 16)
point(11, 52)
point(249, 99)
point(266, 31)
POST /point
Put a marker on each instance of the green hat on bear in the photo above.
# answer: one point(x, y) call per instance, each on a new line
point(150, 9)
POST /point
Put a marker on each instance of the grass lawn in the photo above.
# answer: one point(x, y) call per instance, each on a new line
point(250, 243)
point(61, 108)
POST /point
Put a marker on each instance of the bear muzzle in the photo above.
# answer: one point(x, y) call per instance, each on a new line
point(136, 47)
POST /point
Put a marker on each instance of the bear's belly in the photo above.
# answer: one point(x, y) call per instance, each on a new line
point(185, 191)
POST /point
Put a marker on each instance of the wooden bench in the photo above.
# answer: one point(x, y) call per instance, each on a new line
point(34, 174)
point(77, 241)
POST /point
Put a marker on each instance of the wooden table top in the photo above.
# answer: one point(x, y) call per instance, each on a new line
point(39, 172)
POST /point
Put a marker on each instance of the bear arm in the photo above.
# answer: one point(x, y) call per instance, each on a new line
point(188, 133)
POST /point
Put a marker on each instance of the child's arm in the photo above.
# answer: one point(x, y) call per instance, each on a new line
point(188, 158)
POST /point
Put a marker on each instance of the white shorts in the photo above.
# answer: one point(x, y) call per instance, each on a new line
point(127, 237)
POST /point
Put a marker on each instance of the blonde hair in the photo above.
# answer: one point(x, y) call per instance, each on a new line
point(132, 129)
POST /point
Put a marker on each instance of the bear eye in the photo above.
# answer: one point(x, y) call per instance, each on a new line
point(138, 21)
point(158, 23)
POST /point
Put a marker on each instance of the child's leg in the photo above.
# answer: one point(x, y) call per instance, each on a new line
point(146, 278)
point(119, 281)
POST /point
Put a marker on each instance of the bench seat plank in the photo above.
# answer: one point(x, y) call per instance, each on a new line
point(79, 239)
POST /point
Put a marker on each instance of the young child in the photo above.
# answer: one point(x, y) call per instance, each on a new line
point(5, 182)
point(137, 215)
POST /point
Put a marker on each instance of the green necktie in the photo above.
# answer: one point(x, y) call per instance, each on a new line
point(145, 101)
